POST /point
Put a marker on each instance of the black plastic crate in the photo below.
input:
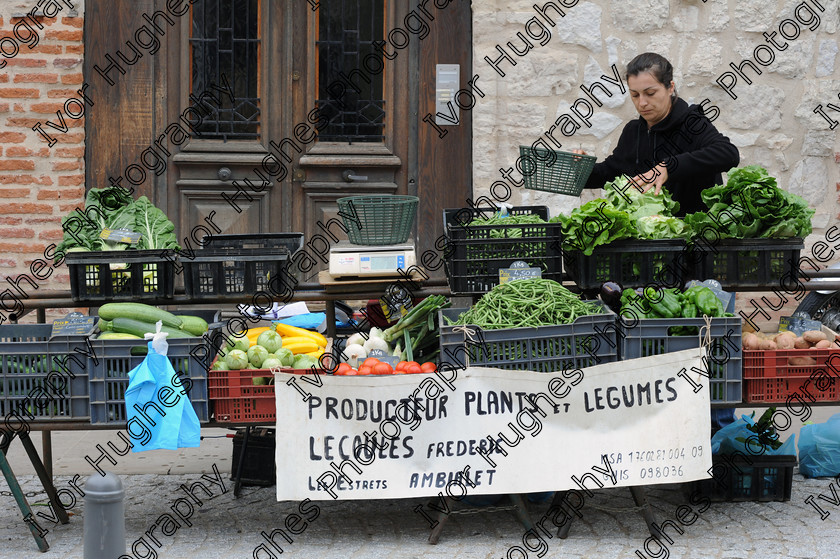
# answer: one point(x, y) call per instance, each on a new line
point(748, 262)
point(762, 478)
point(589, 340)
point(258, 467)
point(124, 275)
point(116, 358)
point(42, 378)
point(632, 263)
point(238, 264)
point(475, 254)
point(654, 336)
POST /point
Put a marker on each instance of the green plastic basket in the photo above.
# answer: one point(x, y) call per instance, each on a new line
point(384, 220)
point(560, 172)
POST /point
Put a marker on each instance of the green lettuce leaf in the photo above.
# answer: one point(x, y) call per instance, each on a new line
point(623, 195)
point(750, 206)
point(157, 231)
point(661, 227)
point(594, 224)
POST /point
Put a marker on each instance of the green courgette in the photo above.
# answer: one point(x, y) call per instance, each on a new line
point(117, 336)
point(193, 324)
point(140, 328)
point(141, 312)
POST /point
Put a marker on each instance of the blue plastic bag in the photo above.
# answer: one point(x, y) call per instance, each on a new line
point(158, 409)
point(725, 441)
point(819, 448)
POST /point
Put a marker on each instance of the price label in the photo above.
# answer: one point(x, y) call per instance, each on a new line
point(517, 271)
point(120, 236)
point(798, 325)
point(74, 324)
point(384, 357)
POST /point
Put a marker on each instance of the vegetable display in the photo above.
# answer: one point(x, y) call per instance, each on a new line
point(373, 366)
point(527, 303)
point(749, 206)
point(413, 335)
point(625, 213)
point(786, 340)
point(134, 320)
point(514, 219)
point(694, 302)
point(271, 347)
point(111, 208)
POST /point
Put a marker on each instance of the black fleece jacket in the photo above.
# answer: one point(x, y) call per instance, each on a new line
point(686, 140)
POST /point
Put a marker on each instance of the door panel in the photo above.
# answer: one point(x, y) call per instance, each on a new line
point(406, 157)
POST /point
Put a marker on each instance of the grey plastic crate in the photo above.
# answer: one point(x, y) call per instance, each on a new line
point(109, 378)
point(653, 336)
point(40, 378)
point(589, 340)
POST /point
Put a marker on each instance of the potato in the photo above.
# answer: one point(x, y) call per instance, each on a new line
point(787, 333)
point(802, 361)
point(768, 344)
point(800, 343)
point(785, 342)
point(814, 336)
point(822, 344)
point(750, 341)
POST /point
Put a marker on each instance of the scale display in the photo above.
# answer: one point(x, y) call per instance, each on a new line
point(355, 260)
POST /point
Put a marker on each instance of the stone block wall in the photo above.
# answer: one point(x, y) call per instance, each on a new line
point(559, 46)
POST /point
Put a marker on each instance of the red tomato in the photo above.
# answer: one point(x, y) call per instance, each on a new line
point(351, 373)
point(365, 370)
point(413, 369)
point(382, 369)
point(428, 367)
point(412, 363)
point(370, 362)
point(343, 368)
point(400, 366)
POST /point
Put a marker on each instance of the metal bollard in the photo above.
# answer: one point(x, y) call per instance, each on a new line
point(104, 517)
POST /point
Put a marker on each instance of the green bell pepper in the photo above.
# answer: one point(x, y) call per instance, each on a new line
point(708, 303)
point(669, 304)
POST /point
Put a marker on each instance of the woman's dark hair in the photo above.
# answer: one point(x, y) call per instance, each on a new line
point(654, 63)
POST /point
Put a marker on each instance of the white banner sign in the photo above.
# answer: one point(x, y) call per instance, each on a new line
point(483, 431)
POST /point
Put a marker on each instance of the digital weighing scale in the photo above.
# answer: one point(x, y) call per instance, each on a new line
point(350, 260)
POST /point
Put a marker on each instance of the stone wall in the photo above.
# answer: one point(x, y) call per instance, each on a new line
point(772, 121)
point(41, 174)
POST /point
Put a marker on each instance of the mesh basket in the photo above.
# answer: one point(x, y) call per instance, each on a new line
point(560, 172)
point(378, 220)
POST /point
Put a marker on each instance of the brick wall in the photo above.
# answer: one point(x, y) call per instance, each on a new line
point(39, 183)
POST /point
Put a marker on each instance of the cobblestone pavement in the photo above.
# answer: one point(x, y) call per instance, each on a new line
point(224, 526)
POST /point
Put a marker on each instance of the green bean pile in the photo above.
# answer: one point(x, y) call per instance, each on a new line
point(526, 219)
point(527, 304)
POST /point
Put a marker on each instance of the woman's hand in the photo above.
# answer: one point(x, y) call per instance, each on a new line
point(654, 178)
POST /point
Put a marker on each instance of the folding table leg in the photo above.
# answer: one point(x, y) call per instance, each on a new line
point(46, 479)
point(46, 450)
point(23, 504)
point(563, 530)
point(521, 511)
point(640, 498)
point(237, 481)
point(441, 520)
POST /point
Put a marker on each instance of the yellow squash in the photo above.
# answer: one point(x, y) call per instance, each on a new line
point(293, 331)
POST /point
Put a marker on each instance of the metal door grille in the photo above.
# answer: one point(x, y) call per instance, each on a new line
point(225, 42)
point(350, 70)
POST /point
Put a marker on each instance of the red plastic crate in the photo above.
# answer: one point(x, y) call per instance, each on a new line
point(769, 376)
point(236, 399)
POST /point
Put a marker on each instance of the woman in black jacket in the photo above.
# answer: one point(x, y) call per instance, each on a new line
point(671, 144)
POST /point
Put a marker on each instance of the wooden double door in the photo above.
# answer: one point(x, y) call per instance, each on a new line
point(256, 115)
